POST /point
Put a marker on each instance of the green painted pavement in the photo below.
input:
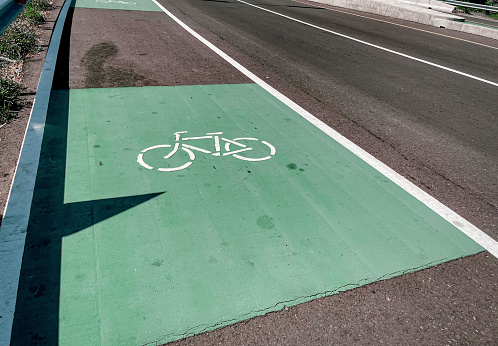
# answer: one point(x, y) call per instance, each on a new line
point(224, 239)
point(130, 5)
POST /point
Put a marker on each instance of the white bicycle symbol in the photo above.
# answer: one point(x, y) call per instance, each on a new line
point(189, 149)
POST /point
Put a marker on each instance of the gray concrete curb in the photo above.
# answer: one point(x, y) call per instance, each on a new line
point(429, 12)
point(16, 217)
point(9, 10)
point(5, 3)
point(473, 29)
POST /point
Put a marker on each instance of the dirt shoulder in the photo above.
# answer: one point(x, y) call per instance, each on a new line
point(12, 133)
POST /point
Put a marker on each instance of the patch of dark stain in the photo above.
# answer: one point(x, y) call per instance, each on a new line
point(40, 244)
point(157, 263)
point(100, 76)
point(154, 112)
point(107, 206)
point(212, 260)
point(301, 170)
point(265, 222)
point(291, 166)
point(248, 171)
point(226, 2)
point(96, 146)
point(36, 337)
point(38, 291)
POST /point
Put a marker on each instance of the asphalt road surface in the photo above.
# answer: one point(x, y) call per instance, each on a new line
point(435, 127)
point(443, 125)
point(420, 99)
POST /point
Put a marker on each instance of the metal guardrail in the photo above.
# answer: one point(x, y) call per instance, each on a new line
point(471, 5)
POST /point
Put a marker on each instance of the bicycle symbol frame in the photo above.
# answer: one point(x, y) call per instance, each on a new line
point(189, 149)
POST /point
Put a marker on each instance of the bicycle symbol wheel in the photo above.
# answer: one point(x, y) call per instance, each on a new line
point(142, 162)
point(256, 152)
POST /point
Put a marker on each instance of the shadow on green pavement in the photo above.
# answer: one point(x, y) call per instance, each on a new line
point(37, 311)
point(36, 318)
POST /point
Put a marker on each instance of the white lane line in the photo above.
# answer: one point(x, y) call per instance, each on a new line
point(366, 16)
point(374, 45)
point(459, 222)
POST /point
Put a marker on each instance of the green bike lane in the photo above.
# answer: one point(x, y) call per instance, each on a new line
point(117, 253)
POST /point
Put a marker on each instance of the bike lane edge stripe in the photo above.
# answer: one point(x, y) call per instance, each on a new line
point(206, 221)
point(458, 221)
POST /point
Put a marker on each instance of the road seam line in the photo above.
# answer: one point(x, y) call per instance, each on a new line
point(458, 221)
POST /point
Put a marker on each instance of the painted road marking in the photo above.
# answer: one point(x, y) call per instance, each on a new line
point(216, 137)
point(466, 227)
point(225, 239)
point(374, 45)
point(314, 4)
point(128, 5)
point(97, 211)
